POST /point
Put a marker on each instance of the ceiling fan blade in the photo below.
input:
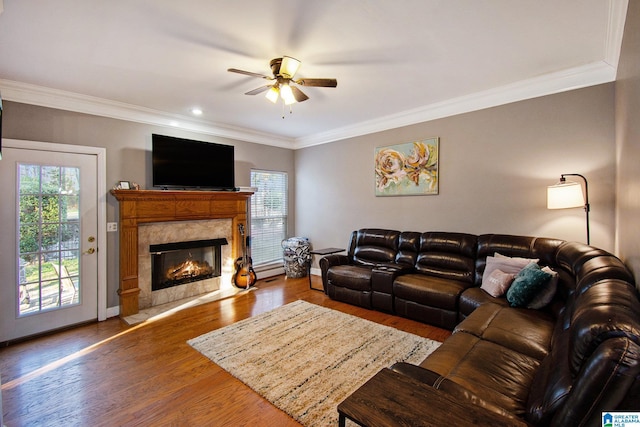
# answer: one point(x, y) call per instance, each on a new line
point(249, 73)
point(318, 82)
point(298, 94)
point(258, 90)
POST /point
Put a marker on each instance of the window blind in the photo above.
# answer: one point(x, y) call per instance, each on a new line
point(269, 210)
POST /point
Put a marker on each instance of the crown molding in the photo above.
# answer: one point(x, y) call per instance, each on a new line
point(615, 31)
point(53, 98)
point(573, 78)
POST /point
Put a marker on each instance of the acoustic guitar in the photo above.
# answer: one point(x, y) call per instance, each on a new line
point(245, 276)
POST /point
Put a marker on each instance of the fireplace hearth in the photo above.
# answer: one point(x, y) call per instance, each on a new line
point(174, 264)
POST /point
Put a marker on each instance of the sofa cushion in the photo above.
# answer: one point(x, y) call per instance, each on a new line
point(374, 246)
point(350, 276)
point(525, 331)
point(447, 256)
point(473, 298)
point(488, 371)
point(527, 284)
point(428, 290)
point(541, 248)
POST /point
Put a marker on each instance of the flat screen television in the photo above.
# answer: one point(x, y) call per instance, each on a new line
point(179, 163)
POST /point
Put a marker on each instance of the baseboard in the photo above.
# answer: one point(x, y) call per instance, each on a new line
point(269, 272)
point(113, 311)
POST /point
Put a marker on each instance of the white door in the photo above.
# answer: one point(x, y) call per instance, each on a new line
point(48, 241)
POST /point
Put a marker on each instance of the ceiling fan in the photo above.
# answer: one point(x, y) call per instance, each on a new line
point(284, 70)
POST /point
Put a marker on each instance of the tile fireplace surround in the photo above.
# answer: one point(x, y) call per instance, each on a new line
point(143, 207)
point(177, 231)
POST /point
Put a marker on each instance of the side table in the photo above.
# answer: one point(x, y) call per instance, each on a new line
point(325, 251)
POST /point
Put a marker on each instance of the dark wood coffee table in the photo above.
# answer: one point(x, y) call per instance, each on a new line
point(393, 399)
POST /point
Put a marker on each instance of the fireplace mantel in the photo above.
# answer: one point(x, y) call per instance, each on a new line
point(148, 206)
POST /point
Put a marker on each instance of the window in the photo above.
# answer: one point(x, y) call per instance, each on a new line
point(269, 208)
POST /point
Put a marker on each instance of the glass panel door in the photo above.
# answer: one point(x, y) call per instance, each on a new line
point(49, 236)
point(48, 240)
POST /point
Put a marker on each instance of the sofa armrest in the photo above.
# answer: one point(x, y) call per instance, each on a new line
point(383, 275)
point(416, 372)
point(329, 261)
point(456, 391)
point(326, 262)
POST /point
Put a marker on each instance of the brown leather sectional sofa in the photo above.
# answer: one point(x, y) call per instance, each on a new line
point(560, 365)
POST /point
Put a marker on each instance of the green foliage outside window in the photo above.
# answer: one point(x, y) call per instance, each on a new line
point(48, 209)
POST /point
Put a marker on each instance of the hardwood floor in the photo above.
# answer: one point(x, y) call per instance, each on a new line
point(109, 373)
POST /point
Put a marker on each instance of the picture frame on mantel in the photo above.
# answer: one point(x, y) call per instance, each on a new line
point(408, 169)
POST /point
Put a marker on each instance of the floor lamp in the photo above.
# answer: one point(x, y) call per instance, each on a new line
point(568, 194)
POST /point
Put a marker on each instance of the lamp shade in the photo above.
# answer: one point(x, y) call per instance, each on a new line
point(287, 94)
point(272, 94)
point(289, 66)
point(564, 195)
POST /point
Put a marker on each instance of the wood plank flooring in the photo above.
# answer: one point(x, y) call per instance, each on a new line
point(112, 374)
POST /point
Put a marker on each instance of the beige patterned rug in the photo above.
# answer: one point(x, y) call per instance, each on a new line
point(306, 359)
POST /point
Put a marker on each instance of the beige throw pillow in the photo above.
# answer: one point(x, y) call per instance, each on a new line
point(497, 283)
point(506, 264)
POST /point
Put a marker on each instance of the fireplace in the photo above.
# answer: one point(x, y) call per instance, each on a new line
point(175, 264)
point(181, 246)
point(154, 217)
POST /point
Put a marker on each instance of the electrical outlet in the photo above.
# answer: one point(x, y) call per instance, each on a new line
point(112, 226)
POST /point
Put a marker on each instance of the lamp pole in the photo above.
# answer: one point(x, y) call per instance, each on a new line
point(587, 207)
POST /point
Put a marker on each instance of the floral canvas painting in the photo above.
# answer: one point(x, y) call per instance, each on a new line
point(407, 169)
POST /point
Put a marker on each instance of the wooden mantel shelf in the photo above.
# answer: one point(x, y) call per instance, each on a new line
point(148, 206)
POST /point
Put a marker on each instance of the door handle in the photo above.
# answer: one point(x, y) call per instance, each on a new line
point(89, 251)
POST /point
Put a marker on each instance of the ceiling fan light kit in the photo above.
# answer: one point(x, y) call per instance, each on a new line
point(283, 86)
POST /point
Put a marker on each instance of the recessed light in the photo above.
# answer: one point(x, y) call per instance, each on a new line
point(196, 111)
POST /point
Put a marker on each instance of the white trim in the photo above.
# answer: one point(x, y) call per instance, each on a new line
point(113, 311)
point(265, 274)
point(574, 78)
point(101, 170)
point(70, 101)
point(615, 31)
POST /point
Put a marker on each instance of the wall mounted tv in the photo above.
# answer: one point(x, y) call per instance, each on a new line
point(179, 163)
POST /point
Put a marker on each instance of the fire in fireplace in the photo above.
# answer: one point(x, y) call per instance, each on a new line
point(174, 264)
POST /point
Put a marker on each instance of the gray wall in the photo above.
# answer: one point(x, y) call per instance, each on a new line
point(495, 165)
point(628, 142)
point(128, 148)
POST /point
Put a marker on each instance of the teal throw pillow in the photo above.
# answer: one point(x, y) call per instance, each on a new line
point(527, 284)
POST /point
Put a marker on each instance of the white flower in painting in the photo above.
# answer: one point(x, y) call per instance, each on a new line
point(390, 167)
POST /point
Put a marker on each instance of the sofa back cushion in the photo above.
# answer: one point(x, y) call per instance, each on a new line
point(544, 249)
point(447, 255)
point(408, 245)
point(372, 246)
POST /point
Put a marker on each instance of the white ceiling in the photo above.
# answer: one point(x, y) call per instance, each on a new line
point(397, 62)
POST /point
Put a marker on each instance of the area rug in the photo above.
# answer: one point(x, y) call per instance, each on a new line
point(306, 359)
